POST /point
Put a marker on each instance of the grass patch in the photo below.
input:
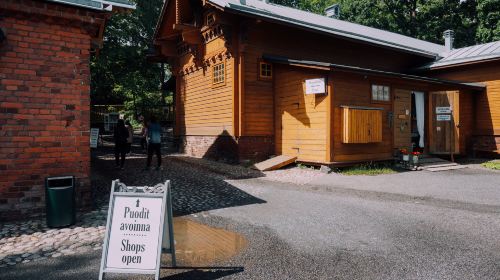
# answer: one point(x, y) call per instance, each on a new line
point(370, 169)
point(492, 164)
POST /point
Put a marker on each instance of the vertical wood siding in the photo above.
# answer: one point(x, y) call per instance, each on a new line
point(301, 120)
point(204, 108)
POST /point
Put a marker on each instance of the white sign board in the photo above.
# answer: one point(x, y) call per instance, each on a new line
point(135, 229)
point(445, 118)
point(316, 86)
point(94, 136)
point(443, 110)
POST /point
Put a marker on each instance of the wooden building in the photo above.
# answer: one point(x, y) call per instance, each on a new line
point(45, 51)
point(255, 79)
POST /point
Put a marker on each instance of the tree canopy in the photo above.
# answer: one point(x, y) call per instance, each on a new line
point(474, 21)
point(120, 72)
point(122, 75)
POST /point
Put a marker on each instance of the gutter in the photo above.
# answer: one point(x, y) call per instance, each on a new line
point(355, 69)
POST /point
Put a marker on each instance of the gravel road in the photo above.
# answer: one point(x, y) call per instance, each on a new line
point(336, 228)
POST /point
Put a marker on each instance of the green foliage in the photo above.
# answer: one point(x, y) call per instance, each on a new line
point(474, 21)
point(488, 13)
point(120, 72)
point(368, 168)
point(493, 164)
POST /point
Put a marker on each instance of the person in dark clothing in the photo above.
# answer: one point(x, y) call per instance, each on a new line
point(121, 134)
point(154, 146)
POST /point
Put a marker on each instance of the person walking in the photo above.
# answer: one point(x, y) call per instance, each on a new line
point(144, 135)
point(130, 138)
point(154, 145)
point(120, 136)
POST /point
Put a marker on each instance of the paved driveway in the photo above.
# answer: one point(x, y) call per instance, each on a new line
point(415, 225)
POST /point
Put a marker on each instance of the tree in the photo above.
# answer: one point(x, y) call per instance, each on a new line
point(121, 73)
point(488, 12)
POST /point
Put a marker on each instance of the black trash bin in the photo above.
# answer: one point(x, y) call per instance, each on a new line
point(60, 201)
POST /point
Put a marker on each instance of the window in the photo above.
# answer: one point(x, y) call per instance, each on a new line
point(266, 70)
point(218, 74)
point(210, 19)
point(381, 93)
point(361, 125)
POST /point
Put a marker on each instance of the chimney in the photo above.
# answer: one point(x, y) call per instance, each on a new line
point(333, 11)
point(449, 36)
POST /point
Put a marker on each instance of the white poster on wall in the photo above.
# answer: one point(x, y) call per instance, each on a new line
point(94, 136)
point(443, 118)
point(316, 86)
point(443, 110)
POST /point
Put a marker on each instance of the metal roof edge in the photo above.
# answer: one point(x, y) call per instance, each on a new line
point(118, 4)
point(160, 20)
point(79, 5)
point(357, 69)
point(459, 62)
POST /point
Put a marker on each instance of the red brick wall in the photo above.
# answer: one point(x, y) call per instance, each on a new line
point(44, 110)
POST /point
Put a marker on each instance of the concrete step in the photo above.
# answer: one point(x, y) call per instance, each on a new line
point(425, 166)
point(436, 169)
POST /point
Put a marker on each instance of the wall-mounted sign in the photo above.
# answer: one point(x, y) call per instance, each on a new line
point(445, 118)
point(443, 110)
point(135, 231)
point(94, 136)
point(316, 86)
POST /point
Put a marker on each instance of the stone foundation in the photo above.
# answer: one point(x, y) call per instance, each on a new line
point(227, 148)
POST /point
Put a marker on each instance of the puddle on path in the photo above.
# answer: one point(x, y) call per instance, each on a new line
point(201, 245)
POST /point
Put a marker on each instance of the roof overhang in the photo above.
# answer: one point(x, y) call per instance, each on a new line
point(361, 70)
point(458, 62)
point(100, 5)
point(430, 51)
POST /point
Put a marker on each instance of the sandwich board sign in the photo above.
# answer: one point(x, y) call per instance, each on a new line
point(139, 229)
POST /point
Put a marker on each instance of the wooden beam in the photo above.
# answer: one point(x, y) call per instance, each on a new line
point(192, 37)
point(329, 119)
point(168, 48)
point(182, 27)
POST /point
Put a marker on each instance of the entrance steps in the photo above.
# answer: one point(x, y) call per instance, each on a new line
point(435, 164)
point(275, 163)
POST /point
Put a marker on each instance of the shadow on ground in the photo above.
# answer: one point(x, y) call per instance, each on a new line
point(83, 267)
point(194, 188)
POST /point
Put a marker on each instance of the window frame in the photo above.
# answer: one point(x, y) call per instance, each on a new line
point(219, 83)
point(383, 85)
point(259, 70)
point(210, 15)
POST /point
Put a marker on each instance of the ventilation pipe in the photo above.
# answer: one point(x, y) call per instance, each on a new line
point(333, 11)
point(449, 36)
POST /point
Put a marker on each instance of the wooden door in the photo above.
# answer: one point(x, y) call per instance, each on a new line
point(287, 126)
point(443, 133)
point(402, 119)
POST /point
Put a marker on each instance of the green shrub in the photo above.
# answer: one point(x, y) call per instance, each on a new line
point(369, 168)
point(492, 164)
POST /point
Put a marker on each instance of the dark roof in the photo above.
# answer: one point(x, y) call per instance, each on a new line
point(472, 54)
point(331, 26)
point(355, 69)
